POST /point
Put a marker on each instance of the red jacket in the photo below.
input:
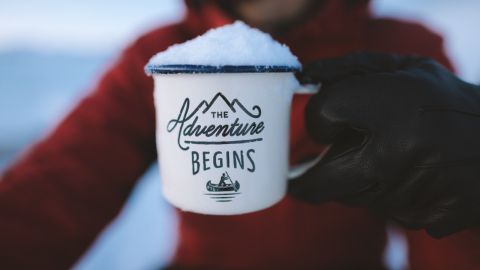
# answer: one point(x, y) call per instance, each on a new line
point(59, 195)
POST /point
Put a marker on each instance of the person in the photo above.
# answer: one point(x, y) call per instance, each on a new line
point(222, 182)
point(59, 195)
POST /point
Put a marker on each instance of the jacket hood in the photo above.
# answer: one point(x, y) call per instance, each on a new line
point(340, 21)
point(331, 11)
point(226, 3)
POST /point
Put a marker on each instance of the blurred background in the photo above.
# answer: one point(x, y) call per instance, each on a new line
point(52, 52)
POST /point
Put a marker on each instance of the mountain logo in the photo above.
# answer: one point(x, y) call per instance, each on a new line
point(255, 113)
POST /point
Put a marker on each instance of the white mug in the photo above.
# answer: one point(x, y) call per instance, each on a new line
point(223, 136)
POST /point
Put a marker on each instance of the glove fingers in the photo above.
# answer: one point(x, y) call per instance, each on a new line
point(453, 215)
point(439, 215)
point(445, 227)
point(331, 70)
point(331, 118)
point(426, 199)
point(336, 176)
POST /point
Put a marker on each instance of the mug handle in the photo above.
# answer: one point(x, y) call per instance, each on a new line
point(299, 169)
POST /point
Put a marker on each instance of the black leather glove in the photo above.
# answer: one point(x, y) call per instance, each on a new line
point(405, 140)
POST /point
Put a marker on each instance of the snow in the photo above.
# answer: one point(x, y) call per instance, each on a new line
point(234, 44)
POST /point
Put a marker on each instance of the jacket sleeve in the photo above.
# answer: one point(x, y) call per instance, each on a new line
point(457, 251)
point(65, 189)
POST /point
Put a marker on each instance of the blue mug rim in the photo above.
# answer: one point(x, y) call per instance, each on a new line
point(191, 69)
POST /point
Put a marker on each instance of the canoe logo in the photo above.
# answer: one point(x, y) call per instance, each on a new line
point(224, 190)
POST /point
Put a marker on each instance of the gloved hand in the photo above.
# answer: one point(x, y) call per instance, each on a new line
point(405, 140)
